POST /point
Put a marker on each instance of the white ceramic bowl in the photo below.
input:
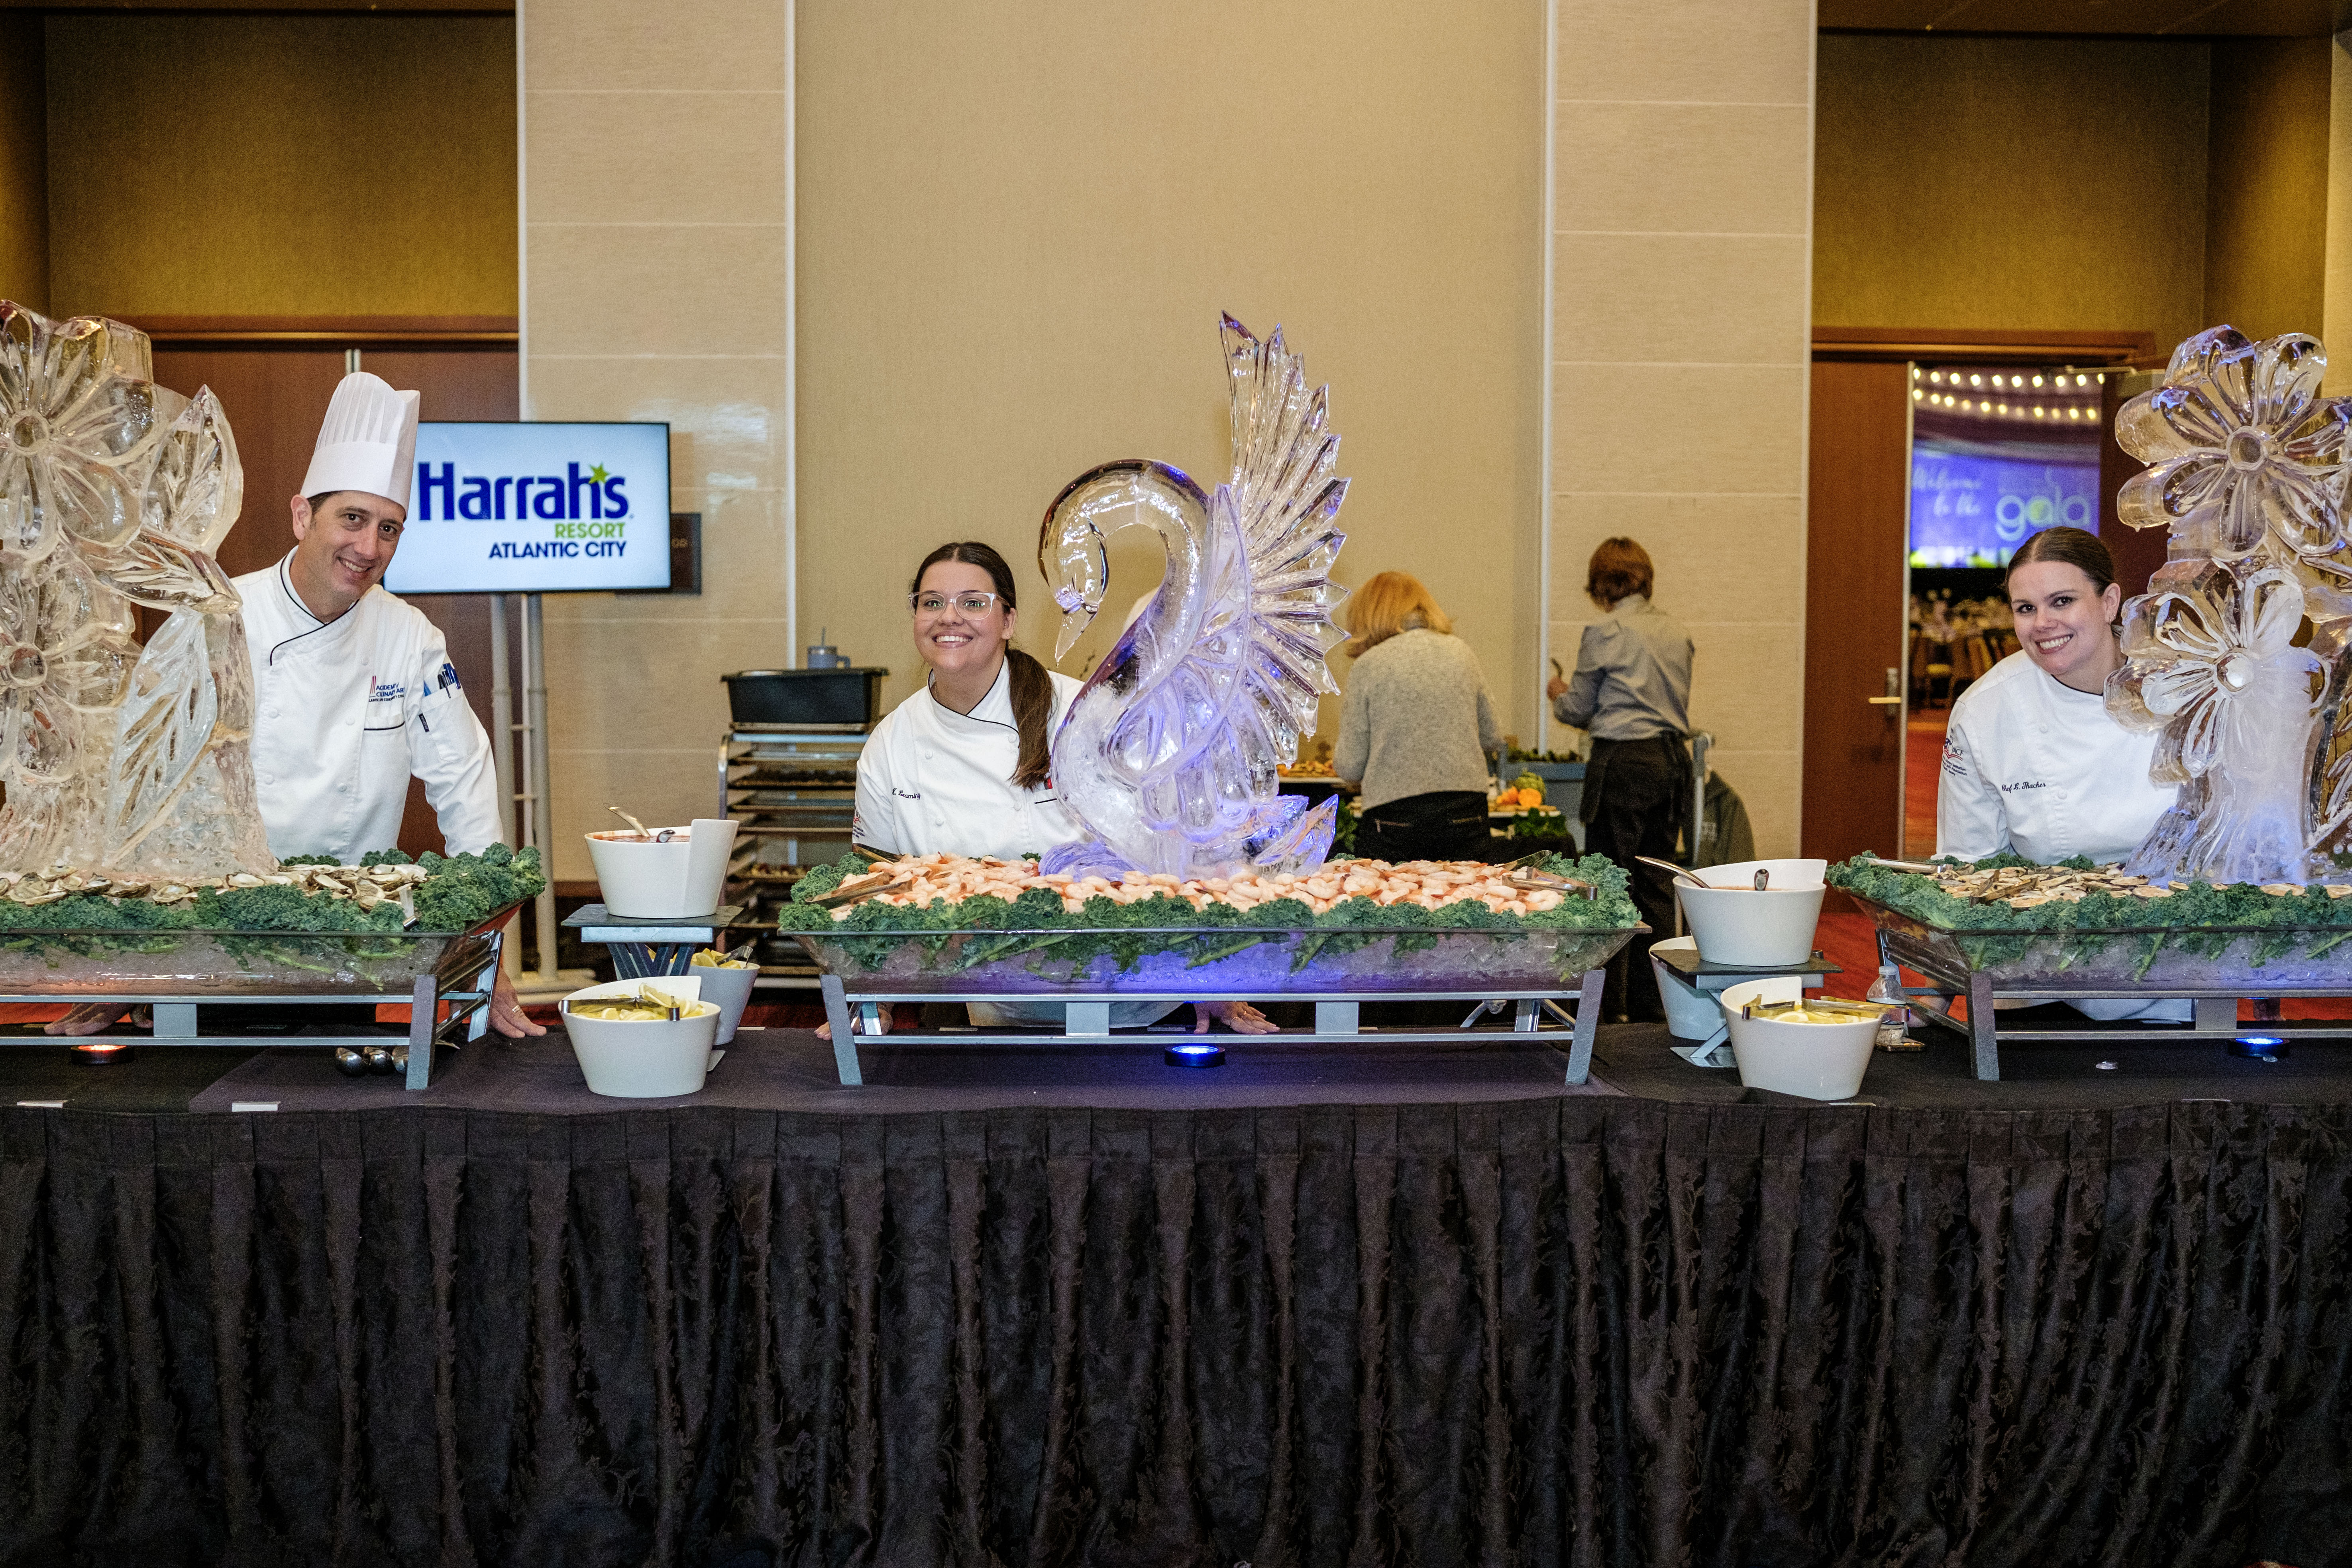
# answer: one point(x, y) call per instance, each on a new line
point(641, 880)
point(1812, 1061)
point(648, 1060)
point(1691, 1013)
point(1734, 923)
point(731, 989)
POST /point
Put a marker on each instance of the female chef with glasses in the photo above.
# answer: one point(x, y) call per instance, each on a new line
point(964, 765)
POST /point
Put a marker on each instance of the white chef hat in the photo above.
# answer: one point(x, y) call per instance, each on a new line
point(368, 442)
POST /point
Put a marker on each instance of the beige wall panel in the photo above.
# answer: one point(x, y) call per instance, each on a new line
point(1018, 224)
point(2012, 183)
point(23, 163)
point(655, 290)
point(687, 46)
point(1681, 292)
point(659, 788)
point(282, 165)
point(1689, 52)
point(657, 149)
point(694, 157)
point(1684, 168)
point(2266, 185)
point(1733, 299)
point(1697, 428)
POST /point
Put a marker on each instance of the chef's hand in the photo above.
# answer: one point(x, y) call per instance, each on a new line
point(507, 1016)
point(90, 1018)
point(1555, 687)
point(1239, 1017)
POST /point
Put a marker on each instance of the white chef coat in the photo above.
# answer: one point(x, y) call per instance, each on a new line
point(2034, 766)
point(932, 780)
point(345, 711)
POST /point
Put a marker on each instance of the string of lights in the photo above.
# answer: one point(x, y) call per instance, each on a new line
point(2058, 397)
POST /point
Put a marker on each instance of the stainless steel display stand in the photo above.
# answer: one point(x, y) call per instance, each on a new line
point(1336, 1014)
point(648, 949)
point(467, 982)
point(2216, 1010)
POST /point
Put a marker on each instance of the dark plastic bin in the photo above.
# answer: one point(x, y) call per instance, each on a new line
point(804, 696)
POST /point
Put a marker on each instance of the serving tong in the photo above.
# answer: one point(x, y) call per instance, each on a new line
point(1526, 874)
point(1684, 874)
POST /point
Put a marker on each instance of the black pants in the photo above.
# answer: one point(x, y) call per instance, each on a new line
point(1636, 795)
point(1444, 825)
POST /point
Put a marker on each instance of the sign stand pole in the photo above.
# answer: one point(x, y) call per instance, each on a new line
point(539, 806)
point(502, 737)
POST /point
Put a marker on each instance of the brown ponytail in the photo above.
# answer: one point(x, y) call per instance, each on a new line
point(1032, 710)
point(1032, 688)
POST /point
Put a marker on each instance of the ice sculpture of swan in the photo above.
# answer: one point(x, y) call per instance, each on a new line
point(1169, 752)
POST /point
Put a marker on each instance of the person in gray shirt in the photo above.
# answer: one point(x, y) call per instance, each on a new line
point(1631, 692)
point(1415, 727)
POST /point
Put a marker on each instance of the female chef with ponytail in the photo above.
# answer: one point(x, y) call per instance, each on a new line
point(963, 766)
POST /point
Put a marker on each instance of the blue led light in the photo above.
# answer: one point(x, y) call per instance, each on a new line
point(1196, 1054)
point(2259, 1047)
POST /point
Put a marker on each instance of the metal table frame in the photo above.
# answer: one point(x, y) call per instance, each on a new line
point(178, 1017)
point(1336, 1014)
point(649, 948)
point(2216, 1010)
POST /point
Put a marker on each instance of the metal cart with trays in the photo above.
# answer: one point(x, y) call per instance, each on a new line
point(788, 778)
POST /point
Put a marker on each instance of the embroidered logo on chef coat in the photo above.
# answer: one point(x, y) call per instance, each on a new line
point(1955, 760)
point(905, 793)
point(447, 681)
point(386, 690)
point(2022, 784)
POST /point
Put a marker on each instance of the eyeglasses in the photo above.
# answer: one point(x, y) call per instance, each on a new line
point(930, 605)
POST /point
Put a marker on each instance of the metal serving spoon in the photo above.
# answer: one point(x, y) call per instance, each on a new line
point(664, 836)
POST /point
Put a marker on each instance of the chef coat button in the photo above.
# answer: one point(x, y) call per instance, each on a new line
point(269, 778)
point(270, 712)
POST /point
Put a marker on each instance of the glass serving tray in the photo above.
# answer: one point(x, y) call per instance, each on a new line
point(2106, 960)
point(1241, 959)
point(230, 963)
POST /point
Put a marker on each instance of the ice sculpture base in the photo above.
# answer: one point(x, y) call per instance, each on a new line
point(179, 973)
point(2215, 967)
point(1533, 970)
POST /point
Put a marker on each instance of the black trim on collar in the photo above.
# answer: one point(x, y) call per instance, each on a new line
point(285, 586)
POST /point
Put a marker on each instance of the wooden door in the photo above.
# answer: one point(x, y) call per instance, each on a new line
point(1855, 540)
point(275, 395)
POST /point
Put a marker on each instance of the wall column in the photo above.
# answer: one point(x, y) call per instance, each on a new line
point(658, 285)
point(1680, 278)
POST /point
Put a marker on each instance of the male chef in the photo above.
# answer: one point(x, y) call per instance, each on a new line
point(352, 690)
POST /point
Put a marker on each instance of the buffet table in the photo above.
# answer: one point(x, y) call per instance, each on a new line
point(1338, 969)
point(2215, 967)
point(182, 974)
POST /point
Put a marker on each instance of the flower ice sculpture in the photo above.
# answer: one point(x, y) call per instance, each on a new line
point(114, 492)
point(2209, 663)
point(2246, 458)
point(1169, 752)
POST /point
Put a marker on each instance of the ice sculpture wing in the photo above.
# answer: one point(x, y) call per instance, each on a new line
point(161, 732)
point(1170, 751)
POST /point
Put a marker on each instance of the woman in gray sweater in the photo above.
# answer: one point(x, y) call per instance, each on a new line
point(1415, 728)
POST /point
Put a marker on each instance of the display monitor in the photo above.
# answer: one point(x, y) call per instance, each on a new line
point(1969, 508)
point(536, 509)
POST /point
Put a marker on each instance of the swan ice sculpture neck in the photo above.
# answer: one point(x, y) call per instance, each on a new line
point(1169, 752)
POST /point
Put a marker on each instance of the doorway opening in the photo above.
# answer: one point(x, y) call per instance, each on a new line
point(1997, 453)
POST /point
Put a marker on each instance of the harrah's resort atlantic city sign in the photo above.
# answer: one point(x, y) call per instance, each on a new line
point(536, 509)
